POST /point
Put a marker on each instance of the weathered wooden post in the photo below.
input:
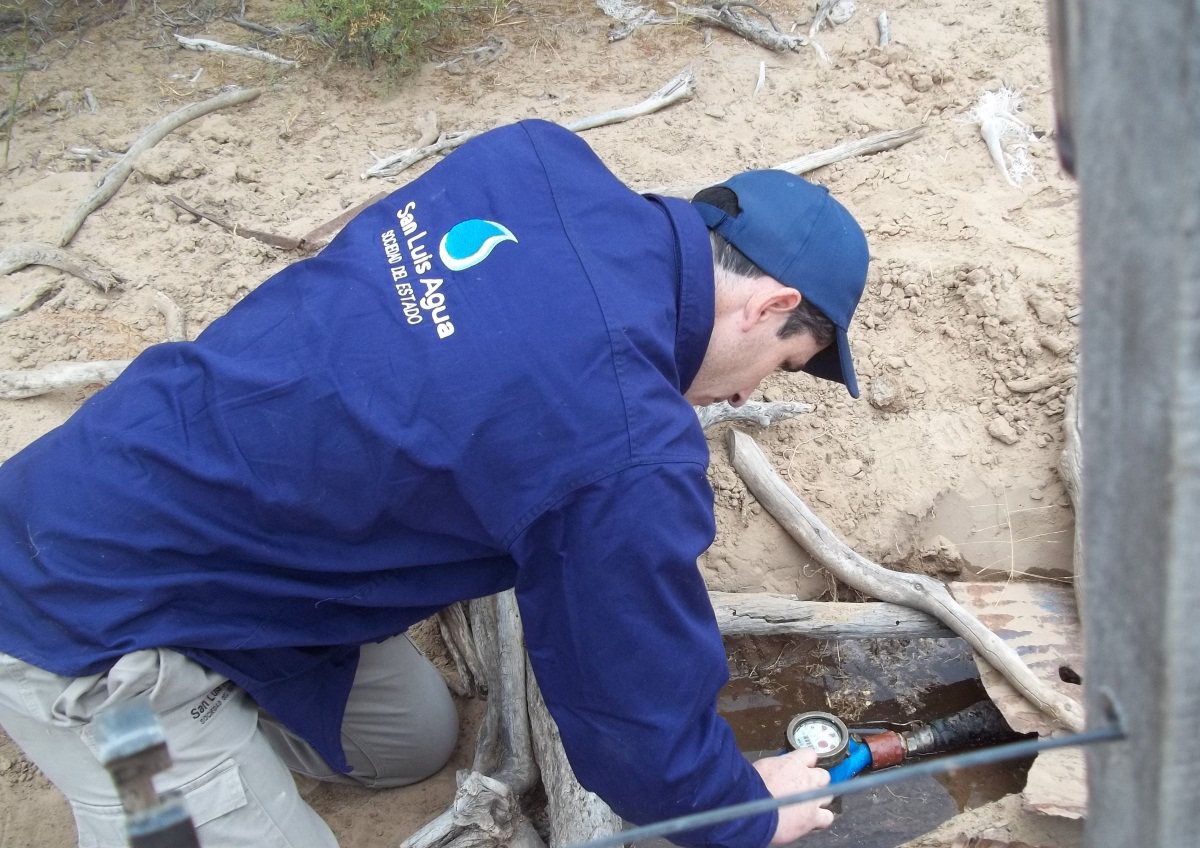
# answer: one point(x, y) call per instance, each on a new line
point(1133, 100)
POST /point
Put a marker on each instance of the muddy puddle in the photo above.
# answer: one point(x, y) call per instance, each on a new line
point(875, 683)
point(870, 683)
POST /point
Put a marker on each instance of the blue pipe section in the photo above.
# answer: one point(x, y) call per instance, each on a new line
point(857, 759)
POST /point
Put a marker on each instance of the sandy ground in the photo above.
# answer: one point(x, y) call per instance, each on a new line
point(947, 461)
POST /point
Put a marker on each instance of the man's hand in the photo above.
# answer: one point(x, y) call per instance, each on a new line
point(789, 774)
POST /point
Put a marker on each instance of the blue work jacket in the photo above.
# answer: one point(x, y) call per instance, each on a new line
point(476, 386)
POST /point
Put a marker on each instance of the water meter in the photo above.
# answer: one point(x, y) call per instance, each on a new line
point(823, 732)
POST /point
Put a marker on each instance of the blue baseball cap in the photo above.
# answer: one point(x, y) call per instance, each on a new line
point(797, 233)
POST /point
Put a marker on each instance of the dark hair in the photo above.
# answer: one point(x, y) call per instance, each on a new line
point(805, 318)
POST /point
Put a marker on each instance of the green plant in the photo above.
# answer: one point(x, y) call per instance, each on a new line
point(370, 31)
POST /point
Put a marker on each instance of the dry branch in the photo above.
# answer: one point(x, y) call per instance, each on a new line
point(761, 614)
point(681, 87)
point(878, 143)
point(727, 16)
point(116, 175)
point(60, 375)
point(206, 46)
point(68, 375)
point(17, 256)
point(282, 242)
point(763, 414)
point(913, 590)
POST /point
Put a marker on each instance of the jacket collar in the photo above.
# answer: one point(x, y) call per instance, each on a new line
point(695, 292)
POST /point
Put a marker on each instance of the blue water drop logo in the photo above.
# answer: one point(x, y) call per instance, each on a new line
point(469, 243)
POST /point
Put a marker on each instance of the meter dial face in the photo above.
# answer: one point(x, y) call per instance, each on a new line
point(823, 733)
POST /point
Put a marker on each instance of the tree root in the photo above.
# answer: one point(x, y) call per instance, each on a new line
point(116, 175)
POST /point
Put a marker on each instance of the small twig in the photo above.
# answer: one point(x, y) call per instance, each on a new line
point(883, 29)
point(115, 176)
point(282, 242)
point(20, 68)
point(204, 45)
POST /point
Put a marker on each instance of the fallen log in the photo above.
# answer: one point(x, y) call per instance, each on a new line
point(913, 590)
point(120, 170)
point(761, 614)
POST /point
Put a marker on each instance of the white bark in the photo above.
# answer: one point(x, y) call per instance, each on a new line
point(761, 614)
point(205, 46)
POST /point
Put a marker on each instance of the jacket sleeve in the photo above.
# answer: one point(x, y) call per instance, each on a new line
point(626, 649)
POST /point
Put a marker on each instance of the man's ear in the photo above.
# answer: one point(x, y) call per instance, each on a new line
point(769, 301)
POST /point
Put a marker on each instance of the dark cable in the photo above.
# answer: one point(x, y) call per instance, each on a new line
point(865, 783)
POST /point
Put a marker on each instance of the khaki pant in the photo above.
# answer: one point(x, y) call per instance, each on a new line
point(230, 760)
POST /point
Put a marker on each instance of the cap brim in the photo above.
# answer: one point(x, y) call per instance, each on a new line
point(834, 363)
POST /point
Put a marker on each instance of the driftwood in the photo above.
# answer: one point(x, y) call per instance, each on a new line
point(486, 808)
point(681, 87)
point(116, 175)
point(1070, 469)
point(576, 815)
point(729, 17)
point(762, 414)
point(861, 147)
point(456, 634)
point(18, 256)
point(206, 46)
point(761, 614)
point(912, 590)
point(68, 375)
